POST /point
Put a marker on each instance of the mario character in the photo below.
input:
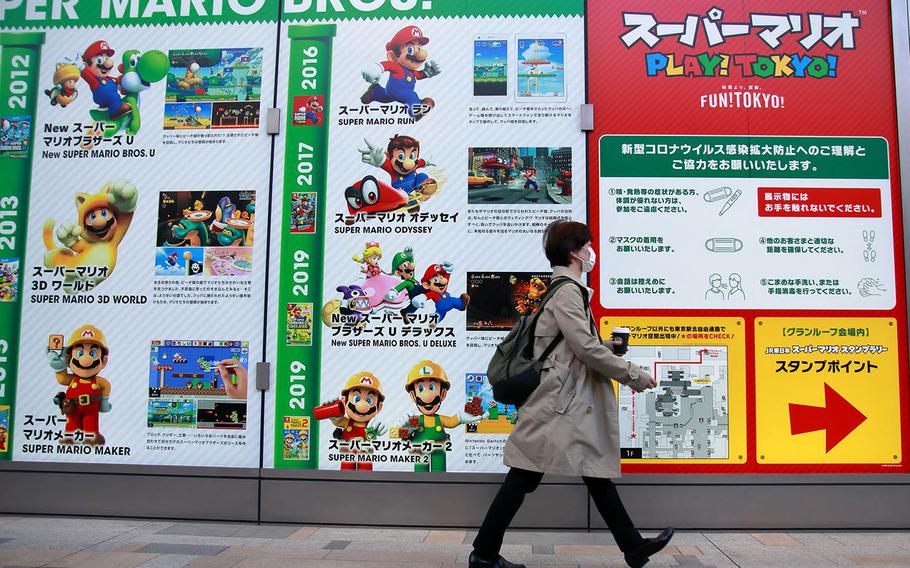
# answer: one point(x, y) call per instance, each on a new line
point(64, 90)
point(361, 400)
point(370, 195)
point(402, 161)
point(405, 56)
point(312, 111)
point(403, 266)
point(105, 87)
point(102, 222)
point(4, 437)
point(435, 282)
point(565, 182)
point(428, 385)
point(87, 393)
point(138, 72)
point(529, 175)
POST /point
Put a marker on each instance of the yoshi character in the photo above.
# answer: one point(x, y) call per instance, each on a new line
point(138, 72)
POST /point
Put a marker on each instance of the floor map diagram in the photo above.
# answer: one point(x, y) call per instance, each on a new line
point(687, 415)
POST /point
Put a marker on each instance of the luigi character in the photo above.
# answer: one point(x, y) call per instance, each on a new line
point(403, 267)
point(428, 385)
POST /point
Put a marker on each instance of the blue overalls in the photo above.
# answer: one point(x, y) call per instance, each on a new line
point(409, 182)
point(397, 89)
point(446, 304)
point(107, 94)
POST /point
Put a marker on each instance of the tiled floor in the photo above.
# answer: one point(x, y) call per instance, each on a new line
point(104, 543)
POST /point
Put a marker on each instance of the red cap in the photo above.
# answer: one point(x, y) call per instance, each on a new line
point(405, 36)
point(432, 271)
point(96, 48)
point(311, 99)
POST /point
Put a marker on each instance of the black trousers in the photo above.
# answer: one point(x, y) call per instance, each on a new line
point(520, 482)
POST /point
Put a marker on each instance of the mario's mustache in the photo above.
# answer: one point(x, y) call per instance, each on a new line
point(414, 58)
point(401, 165)
point(75, 363)
point(354, 410)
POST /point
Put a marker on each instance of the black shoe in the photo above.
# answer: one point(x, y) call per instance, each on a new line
point(475, 561)
point(640, 556)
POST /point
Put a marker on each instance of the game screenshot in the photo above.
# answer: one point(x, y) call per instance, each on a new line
point(491, 67)
point(541, 69)
point(205, 232)
point(229, 261)
point(213, 88)
point(177, 412)
point(179, 261)
point(502, 175)
point(500, 417)
point(498, 299)
point(187, 383)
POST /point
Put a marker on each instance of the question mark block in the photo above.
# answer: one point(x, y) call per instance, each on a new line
point(55, 342)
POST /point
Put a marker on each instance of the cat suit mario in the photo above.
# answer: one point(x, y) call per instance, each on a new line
point(105, 88)
point(406, 55)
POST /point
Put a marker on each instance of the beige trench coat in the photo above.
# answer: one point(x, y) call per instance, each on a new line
point(570, 423)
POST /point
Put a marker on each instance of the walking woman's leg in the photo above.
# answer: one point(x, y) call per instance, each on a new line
point(518, 483)
point(610, 506)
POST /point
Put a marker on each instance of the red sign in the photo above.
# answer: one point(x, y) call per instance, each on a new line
point(819, 202)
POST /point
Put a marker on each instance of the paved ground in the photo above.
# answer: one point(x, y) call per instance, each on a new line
point(102, 543)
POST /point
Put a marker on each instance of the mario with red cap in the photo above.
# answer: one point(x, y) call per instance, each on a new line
point(312, 108)
point(105, 88)
point(435, 282)
point(406, 64)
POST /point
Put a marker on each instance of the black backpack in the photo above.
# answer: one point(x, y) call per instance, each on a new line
point(513, 371)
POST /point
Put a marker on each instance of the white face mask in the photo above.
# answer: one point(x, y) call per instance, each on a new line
point(587, 265)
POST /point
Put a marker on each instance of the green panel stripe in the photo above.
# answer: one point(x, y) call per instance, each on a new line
point(298, 372)
point(20, 60)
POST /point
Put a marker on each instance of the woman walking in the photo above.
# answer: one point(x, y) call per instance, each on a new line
point(569, 424)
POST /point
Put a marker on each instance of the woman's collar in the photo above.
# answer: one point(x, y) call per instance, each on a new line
point(563, 271)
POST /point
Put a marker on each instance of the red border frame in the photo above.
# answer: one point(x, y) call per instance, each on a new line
point(625, 99)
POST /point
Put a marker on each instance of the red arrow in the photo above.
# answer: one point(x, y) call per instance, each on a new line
point(837, 418)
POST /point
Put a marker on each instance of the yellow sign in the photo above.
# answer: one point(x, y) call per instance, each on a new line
point(827, 391)
point(697, 414)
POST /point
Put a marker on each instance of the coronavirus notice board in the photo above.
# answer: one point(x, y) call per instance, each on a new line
point(746, 202)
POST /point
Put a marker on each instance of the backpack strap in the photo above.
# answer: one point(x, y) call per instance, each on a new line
point(555, 284)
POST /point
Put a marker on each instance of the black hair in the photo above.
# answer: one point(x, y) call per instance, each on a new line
point(562, 237)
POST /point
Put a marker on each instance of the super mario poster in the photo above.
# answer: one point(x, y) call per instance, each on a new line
point(356, 197)
point(400, 323)
point(140, 208)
